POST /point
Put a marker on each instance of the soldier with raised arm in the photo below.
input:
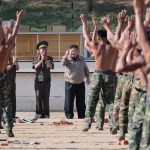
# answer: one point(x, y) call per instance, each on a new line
point(103, 77)
point(5, 49)
point(145, 46)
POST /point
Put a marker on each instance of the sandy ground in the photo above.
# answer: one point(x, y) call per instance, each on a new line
point(46, 134)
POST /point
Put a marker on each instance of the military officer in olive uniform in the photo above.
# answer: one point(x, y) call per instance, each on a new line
point(42, 65)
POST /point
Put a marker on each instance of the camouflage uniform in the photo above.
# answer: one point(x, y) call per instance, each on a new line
point(118, 94)
point(137, 122)
point(101, 108)
point(145, 140)
point(5, 103)
point(121, 102)
point(100, 112)
point(134, 100)
point(102, 81)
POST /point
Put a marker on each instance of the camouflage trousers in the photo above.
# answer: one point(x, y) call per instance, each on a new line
point(145, 140)
point(101, 108)
point(102, 82)
point(135, 131)
point(134, 100)
point(5, 103)
point(121, 102)
point(100, 112)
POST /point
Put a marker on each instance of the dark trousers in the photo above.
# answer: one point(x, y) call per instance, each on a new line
point(72, 91)
point(5, 103)
point(42, 90)
point(13, 98)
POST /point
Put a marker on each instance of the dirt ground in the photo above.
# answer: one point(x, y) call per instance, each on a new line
point(52, 134)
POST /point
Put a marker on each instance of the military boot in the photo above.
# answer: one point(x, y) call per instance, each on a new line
point(99, 127)
point(10, 134)
point(87, 126)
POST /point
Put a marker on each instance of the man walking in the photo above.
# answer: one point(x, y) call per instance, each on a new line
point(75, 71)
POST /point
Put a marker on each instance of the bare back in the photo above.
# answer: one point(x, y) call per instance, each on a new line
point(104, 57)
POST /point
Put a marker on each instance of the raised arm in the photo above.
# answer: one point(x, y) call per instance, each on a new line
point(65, 58)
point(128, 48)
point(106, 21)
point(147, 18)
point(85, 29)
point(131, 23)
point(121, 19)
point(141, 34)
point(95, 30)
point(11, 39)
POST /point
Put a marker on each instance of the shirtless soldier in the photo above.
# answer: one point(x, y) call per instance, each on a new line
point(103, 77)
point(145, 46)
point(5, 49)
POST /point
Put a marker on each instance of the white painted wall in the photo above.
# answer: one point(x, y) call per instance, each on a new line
point(25, 87)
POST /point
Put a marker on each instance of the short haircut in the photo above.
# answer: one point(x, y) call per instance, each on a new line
point(73, 46)
point(102, 33)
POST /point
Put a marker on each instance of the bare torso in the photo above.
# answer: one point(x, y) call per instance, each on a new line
point(115, 62)
point(104, 57)
point(3, 58)
point(145, 78)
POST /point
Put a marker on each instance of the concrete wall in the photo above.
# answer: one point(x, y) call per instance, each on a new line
point(25, 87)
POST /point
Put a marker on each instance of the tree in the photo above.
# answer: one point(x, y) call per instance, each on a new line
point(89, 5)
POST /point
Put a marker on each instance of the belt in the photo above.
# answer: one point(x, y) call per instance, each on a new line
point(136, 78)
point(119, 73)
point(128, 74)
point(103, 71)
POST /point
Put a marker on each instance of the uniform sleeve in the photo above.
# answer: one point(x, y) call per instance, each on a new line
point(64, 61)
point(35, 61)
point(52, 62)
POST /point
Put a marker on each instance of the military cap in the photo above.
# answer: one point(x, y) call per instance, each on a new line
point(42, 44)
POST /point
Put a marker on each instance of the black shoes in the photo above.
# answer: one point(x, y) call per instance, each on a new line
point(41, 116)
point(99, 127)
point(114, 130)
point(87, 127)
point(121, 135)
point(10, 134)
point(68, 117)
point(1, 127)
point(46, 116)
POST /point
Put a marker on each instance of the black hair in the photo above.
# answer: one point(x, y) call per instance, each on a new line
point(148, 34)
point(102, 33)
point(73, 46)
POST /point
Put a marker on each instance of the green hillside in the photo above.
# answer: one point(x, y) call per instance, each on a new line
point(41, 13)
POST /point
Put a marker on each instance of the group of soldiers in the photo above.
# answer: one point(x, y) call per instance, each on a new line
point(120, 80)
point(121, 76)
